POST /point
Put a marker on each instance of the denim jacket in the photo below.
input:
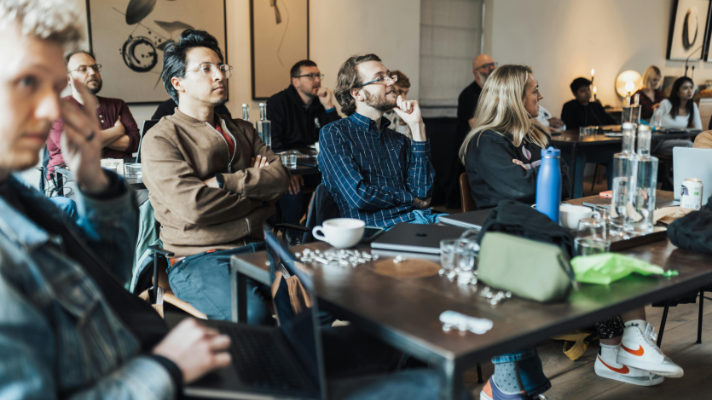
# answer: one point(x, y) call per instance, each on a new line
point(58, 336)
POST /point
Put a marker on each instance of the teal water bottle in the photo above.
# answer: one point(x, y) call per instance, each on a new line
point(548, 184)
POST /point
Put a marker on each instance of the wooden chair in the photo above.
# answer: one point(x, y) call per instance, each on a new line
point(465, 194)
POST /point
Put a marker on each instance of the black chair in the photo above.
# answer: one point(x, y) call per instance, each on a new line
point(323, 207)
point(147, 125)
point(702, 291)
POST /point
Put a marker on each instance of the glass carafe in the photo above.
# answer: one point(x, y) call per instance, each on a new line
point(264, 126)
point(621, 174)
point(642, 185)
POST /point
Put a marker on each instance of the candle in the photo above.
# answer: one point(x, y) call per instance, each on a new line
point(594, 93)
point(592, 73)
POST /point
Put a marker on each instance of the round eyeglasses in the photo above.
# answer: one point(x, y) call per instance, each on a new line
point(209, 69)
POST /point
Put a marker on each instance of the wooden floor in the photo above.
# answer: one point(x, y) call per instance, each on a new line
point(575, 380)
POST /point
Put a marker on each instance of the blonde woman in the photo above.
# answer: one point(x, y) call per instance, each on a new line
point(502, 152)
point(650, 94)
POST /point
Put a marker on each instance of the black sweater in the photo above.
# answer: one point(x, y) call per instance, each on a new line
point(493, 176)
point(576, 115)
point(466, 106)
point(293, 124)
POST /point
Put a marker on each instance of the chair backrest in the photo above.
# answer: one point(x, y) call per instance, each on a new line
point(147, 125)
point(465, 195)
point(43, 171)
point(323, 207)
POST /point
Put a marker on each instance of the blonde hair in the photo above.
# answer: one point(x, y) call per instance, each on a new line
point(649, 74)
point(501, 108)
point(52, 20)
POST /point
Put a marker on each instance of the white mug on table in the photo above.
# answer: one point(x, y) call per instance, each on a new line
point(340, 232)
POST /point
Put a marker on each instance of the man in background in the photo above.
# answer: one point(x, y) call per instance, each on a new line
point(581, 111)
point(482, 67)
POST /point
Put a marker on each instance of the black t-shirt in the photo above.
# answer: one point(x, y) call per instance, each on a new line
point(466, 105)
point(576, 115)
point(136, 314)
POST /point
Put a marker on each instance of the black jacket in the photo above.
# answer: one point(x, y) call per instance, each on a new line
point(293, 125)
point(576, 115)
point(493, 176)
point(168, 107)
point(466, 105)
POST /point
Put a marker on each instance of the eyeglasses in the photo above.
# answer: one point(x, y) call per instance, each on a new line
point(384, 79)
point(209, 69)
point(84, 68)
point(311, 76)
point(490, 65)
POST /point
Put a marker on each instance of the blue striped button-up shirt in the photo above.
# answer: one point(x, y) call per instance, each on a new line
point(374, 176)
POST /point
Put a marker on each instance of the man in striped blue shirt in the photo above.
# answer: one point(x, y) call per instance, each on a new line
point(375, 174)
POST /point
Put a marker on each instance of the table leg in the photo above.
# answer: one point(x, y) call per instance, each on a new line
point(452, 384)
point(572, 171)
point(239, 296)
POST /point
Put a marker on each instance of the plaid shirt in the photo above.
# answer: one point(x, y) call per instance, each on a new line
point(374, 176)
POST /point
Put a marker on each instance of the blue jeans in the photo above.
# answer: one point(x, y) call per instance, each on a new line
point(405, 385)
point(530, 370)
point(204, 281)
point(67, 205)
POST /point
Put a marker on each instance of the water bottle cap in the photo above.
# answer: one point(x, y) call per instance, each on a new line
point(627, 125)
point(550, 152)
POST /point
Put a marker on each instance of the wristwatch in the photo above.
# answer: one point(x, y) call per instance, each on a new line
point(220, 179)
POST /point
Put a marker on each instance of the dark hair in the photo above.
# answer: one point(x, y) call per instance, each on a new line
point(68, 56)
point(348, 79)
point(577, 83)
point(403, 80)
point(675, 99)
point(297, 68)
point(174, 56)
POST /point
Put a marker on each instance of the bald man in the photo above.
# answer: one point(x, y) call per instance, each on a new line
point(482, 67)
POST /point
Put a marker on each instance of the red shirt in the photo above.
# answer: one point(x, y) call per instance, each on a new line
point(228, 139)
point(108, 112)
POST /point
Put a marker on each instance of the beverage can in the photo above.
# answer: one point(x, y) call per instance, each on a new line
point(691, 196)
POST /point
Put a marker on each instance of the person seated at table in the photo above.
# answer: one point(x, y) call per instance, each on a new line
point(374, 173)
point(211, 181)
point(502, 152)
point(169, 106)
point(297, 114)
point(650, 94)
point(679, 112)
point(402, 88)
point(119, 134)
point(583, 112)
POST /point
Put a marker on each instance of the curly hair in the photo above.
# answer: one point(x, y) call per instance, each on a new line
point(51, 20)
point(348, 79)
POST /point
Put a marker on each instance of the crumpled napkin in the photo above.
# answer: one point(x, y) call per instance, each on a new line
point(605, 268)
point(669, 214)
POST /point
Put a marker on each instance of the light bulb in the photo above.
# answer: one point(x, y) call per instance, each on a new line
point(629, 87)
point(594, 90)
point(592, 71)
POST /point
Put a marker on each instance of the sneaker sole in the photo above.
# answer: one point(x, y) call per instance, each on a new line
point(625, 379)
point(656, 368)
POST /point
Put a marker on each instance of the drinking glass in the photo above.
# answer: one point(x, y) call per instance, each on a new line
point(657, 120)
point(630, 114)
point(289, 160)
point(132, 170)
point(587, 246)
point(592, 227)
point(583, 132)
point(448, 255)
point(619, 204)
point(592, 130)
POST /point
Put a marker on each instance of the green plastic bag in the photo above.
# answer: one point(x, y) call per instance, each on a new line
point(605, 268)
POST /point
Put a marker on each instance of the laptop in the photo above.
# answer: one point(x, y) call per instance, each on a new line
point(690, 163)
point(414, 238)
point(468, 220)
point(147, 124)
point(268, 362)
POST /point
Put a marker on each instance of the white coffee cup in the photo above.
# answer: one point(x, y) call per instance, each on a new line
point(340, 232)
point(570, 215)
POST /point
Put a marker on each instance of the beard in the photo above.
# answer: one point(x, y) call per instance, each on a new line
point(94, 90)
point(380, 102)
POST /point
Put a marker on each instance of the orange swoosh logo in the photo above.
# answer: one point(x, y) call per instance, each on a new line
point(638, 352)
point(623, 370)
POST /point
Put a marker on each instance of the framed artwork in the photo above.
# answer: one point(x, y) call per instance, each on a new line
point(128, 37)
point(689, 29)
point(280, 38)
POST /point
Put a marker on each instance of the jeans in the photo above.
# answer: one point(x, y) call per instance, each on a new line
point(530, 370)
point(67, 205)
point(406, 385)
point(598, 155)
point(204, 281)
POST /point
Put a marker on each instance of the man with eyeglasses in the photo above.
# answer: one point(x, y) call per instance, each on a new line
point(211, 181)
point(119, 135)
point(296, 119)
point(374, 173)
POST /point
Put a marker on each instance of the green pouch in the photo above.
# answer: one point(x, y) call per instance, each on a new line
point(529, 269)
point(605, 268)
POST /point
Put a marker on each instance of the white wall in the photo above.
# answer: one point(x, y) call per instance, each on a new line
point(338, 29)
point(565, 39)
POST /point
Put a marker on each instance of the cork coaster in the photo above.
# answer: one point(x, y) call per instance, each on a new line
point(410, 268)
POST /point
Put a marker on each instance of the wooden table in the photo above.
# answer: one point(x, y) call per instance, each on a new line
point(572, 140)
point(405, 312)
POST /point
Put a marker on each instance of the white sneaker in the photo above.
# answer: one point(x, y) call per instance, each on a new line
point(638, 350)
point(607, 367)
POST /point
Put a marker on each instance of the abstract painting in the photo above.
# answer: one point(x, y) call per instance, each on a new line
point(280, 38)
point(687, 38)
point(128, 38)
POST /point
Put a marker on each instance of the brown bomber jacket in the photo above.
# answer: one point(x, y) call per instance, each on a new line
point(179, 153)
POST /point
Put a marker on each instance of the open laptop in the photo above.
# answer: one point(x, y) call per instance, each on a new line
point(268, 362)
point(414, 238)
point(147, 124)
point(690, 163)
point(468, 220)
